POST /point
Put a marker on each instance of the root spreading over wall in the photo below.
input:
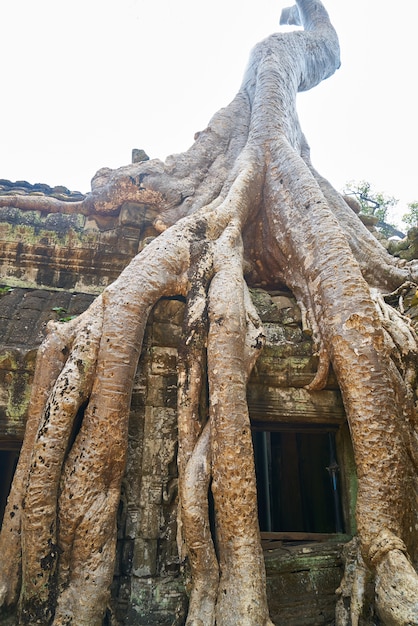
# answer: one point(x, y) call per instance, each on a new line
point(242, 206)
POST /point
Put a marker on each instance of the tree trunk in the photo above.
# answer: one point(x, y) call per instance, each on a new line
point(244, 200)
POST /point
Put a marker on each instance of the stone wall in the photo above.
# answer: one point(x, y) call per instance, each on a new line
point(24, 313)
point(72, 252)
point(149, 584)
point(51, 267)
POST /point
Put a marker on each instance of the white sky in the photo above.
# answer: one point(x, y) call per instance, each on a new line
point(85, 81)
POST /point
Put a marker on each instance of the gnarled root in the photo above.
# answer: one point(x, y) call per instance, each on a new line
point(52, 363)
point(389, 589)
point(242, 594)
point(197, 534)
point(39, 531)
point(352, 592)
point(234, 341)
point(396, 581)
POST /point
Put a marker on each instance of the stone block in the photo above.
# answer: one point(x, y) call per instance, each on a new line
point(277, 404)
point(157, 602)
point(162, 419)
point(265, 306)
point(162, 391)
point(149, 522)
point(279, 334)
point(151, 489)
point(132, 520)
point(166, 334)
point(141, 595)
point(144, 561)
point(283, 302)
point(124, 590)
point(163, 361)
point(301, 583)
point(169, 310)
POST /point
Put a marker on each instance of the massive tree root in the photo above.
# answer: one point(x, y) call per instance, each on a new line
point(244, 200)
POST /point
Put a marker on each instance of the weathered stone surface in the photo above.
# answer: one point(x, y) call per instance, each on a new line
point(24, 314)
point(279, 307)
point(138, 155)
point(301, 583)
point(157, 602)
point(20, 187)
point(273, 404)
point(407, 248)
point(69, 251)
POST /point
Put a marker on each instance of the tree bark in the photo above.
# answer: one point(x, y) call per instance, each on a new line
point(244, 200)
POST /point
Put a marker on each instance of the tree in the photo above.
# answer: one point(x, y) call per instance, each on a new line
point(411, 217)
point(371, 202)
point(375, 203)
point(244, 199)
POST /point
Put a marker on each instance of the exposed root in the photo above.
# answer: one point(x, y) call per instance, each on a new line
point(378, 267)
point(321, 377)
point(39, 531)
point(396, 581)
point(310, 328)
point(401, 336)
point(397, 590)
point(194, 458)
point(306, 326)
point(45, 204)
point(352, 600)
point(241, 597)
point(200, 548)
point(395, 585)
point(51, 359)
point(195, 470)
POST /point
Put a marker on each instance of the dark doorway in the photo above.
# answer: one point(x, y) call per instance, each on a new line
point(297, 481)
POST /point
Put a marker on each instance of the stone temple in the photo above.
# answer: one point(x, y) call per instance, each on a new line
point(51, 268)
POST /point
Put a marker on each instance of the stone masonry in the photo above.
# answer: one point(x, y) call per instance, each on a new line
point(51, 267)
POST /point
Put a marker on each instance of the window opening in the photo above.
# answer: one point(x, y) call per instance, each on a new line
point(298, 481)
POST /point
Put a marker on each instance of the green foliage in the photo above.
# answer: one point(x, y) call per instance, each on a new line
point(60, 310)
point(372, 202)
point(5, 290)
point(411, 217)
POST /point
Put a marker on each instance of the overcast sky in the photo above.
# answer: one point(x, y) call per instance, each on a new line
point(85, 81)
